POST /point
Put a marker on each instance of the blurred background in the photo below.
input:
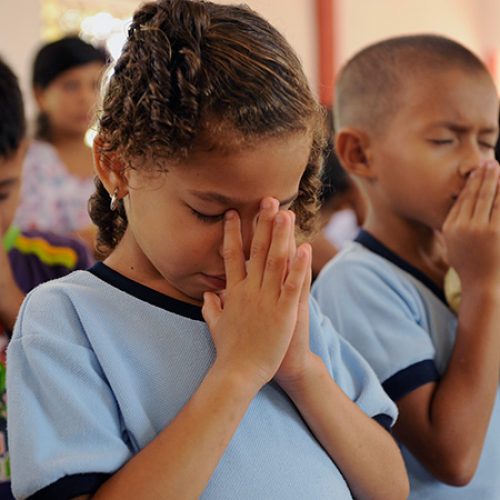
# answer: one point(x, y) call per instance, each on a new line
point(323, 32)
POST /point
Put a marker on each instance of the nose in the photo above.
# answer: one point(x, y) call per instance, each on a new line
point(472, 159)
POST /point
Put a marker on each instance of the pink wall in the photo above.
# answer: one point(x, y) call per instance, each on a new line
point(356, 23)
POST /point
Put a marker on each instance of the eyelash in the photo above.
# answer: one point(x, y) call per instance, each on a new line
point(212, 219)
point(208, 218)
point(439, 142)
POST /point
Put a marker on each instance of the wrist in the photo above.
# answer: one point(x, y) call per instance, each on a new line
point(302, 380)
point(236, 380)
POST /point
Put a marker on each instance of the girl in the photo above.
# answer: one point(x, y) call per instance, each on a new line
point(189, 363)
point(58, 169)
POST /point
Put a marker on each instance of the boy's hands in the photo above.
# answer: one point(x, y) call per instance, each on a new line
point(253, 327)
point(472, 228)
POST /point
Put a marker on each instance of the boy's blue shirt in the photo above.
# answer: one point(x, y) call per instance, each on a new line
point(399, 321)
point(100, 364)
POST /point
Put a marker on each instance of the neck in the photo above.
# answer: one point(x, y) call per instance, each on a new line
point(62, 141)
point(419, 245)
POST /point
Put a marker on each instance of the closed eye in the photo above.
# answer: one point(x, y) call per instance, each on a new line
point(208, 218)
point(441, 141)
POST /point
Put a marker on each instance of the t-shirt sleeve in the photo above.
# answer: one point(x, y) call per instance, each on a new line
point(382, 317)
point(349, 370)
point(65, 432)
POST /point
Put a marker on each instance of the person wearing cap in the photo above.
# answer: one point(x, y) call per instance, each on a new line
point(58, 171)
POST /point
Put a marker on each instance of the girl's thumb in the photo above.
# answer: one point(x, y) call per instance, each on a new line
point(211, 310)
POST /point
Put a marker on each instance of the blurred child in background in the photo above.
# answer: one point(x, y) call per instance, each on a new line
point(58, 167)
point(27, 258)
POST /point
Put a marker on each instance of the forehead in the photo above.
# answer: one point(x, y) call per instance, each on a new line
point(272, 167)
point(90, 70)
point(452, 95)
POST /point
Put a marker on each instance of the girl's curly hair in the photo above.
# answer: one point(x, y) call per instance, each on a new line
point(197, 74)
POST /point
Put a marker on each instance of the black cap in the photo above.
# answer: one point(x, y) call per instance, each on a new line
point(56, 57)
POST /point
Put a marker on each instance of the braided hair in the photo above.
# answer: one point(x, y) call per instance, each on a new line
point(198, 74)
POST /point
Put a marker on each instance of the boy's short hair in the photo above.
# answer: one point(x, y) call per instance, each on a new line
point(12, 122)
point(369, 87)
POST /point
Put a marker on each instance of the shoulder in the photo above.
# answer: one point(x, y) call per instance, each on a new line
point(41, 153)
point(358, 273)
point(41, 149)
point(379, 309)
point(56, 308)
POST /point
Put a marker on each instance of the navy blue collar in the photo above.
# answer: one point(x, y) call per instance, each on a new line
point(371, 243)
point(141, 292)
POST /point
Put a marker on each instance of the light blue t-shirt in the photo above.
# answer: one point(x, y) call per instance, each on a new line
point(99, 365)
point(400, 322)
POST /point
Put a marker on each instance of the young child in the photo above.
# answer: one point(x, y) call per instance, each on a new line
point(26, 258)
point(417, 123)
point(118, 387)
point(58, 166)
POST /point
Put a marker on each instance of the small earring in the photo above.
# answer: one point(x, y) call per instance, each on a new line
point(113, 205)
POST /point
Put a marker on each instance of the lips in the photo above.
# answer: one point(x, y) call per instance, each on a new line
point(215, 282)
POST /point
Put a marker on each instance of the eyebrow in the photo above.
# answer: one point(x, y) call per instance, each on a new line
point(225, 200)
point(455, 127)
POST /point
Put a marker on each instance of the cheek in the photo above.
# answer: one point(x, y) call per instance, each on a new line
point(60, 103)
point(7, 211)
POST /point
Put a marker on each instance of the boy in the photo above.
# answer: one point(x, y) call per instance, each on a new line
point(26, 259)
point(416, 121)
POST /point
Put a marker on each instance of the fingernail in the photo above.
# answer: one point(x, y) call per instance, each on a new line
point(280, 218)
point(229, 215)
point(303, 251)
point(266, 203)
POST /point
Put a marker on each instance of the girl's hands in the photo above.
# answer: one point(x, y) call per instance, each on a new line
point(295, 362)
point(472, 228)
point(253, 327)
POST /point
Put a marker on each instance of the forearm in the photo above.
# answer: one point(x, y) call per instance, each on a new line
point(179, 462)
point(362, 450)
point(445, 426)
point(462, 405)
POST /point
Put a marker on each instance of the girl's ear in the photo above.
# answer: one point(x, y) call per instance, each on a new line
point(109, 168)
point(352, 147)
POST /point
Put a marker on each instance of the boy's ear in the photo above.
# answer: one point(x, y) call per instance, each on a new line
point(352, 147)
point(109, 168)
